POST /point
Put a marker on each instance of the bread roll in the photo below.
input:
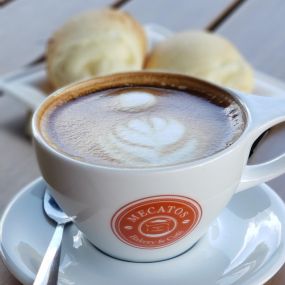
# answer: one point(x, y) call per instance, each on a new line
point(95, 43)
point(203, 55)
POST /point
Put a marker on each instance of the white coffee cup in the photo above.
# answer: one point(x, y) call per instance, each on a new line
point(152, 214)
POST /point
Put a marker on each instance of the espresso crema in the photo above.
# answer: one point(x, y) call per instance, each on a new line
point(141, 127)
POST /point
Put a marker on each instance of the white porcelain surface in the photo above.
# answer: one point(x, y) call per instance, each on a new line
point(99, 196)
point(245, 245)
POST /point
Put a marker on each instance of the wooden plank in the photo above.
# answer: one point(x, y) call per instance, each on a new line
point(177, 15)
point(257, 29)
point(4, 2)
point(5, 277)
point(224, 15)
point(18, 165)
point(278, 279)
point(26, 26)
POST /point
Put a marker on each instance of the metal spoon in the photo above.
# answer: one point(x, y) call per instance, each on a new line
point(48, 272)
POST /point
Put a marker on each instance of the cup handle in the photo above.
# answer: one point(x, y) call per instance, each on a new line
point(255, 174)
point(263, 113)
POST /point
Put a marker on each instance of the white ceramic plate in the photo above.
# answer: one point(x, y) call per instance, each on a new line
point(244, 246)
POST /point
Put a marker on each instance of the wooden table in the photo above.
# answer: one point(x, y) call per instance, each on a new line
point(255, 26)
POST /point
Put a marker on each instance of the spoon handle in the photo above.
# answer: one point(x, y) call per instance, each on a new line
point(48, 272)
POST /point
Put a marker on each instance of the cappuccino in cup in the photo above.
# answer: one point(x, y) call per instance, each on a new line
point(141, 126)
point(145, 161)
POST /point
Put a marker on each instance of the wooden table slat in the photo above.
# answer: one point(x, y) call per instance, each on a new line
point(177, 15)
point(26, 25)
point(257, 28)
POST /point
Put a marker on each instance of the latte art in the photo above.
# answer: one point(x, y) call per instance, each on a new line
point(151, 132)
point(149, 141)
point(134, 101)
point(140, 127)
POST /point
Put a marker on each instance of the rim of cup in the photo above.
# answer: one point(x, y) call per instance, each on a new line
point(138, 79)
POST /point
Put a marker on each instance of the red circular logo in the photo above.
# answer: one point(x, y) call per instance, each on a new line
point(156, 221)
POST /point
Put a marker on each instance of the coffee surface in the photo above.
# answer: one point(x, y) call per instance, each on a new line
point(141, 127)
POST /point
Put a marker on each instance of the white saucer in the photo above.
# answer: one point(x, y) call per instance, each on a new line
point(245, 245)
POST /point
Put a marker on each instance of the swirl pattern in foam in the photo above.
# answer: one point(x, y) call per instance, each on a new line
point(149, 141)
point(140, 127)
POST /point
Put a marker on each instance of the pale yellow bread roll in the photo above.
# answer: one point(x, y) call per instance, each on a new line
point(95, 43)
point(203, 55)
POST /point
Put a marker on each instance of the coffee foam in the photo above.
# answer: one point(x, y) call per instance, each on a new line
point(148, 141)
point(141, 127)
point(134, 101)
